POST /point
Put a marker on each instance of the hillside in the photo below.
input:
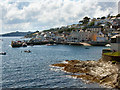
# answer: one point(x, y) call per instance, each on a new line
point(16, 34)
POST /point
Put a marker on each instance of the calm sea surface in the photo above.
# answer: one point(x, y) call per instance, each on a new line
point(32, 70)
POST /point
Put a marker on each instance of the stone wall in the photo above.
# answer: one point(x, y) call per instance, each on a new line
point(110, 58)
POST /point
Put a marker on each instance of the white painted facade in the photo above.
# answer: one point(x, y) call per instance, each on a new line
point(79, 36)
point(94, 29)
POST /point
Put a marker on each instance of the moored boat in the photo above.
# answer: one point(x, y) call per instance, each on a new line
point(107, 45)
point(93, 43)
point(28, 51)
point(49, 44)
point(2, 53)
point(24, 45)
point(86, 48)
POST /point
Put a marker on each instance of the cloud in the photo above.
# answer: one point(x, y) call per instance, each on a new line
point(44, 14)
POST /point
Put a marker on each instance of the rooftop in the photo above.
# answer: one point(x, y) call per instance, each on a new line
point(116, 36)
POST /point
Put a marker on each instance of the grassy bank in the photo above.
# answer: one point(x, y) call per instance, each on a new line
point(112, 53)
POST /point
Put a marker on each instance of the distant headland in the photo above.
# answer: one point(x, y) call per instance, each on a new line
point(17, 34)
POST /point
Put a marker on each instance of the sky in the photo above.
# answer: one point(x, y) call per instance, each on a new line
point(33, 15)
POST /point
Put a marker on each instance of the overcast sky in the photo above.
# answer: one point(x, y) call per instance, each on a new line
point(23, 15)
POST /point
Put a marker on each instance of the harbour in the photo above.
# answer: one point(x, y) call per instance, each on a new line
point(21, 70)
point(57, 44)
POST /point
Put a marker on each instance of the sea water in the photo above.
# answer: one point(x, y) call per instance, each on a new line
point(32, 70)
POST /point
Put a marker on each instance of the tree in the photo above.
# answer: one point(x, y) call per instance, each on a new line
point(111, 16)
point(118, 15)
point(81, 22)
point(93, 20)
point(37, 31)
point(60, 31)
point(108, 24)
point(98, 18)
point(103, 17)
point(86, 20)
point(99, 24)
point(92, 24)
point(84, 28)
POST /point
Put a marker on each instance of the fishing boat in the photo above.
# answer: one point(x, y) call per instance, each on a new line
point(86, 48)
point(49, 44)
point(2, 53)
point(24, 45)
point(28, 51)
point(97, 43)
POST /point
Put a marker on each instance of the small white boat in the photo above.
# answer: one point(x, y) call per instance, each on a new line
point(28, 51)
point(49, 44)
point(107, 45)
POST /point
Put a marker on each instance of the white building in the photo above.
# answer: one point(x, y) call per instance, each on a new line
point(115, 43)
point(94, 28)
point(79, 36)
point(102, 21)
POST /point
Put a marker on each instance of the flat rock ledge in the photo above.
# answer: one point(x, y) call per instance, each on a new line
point(104, 73)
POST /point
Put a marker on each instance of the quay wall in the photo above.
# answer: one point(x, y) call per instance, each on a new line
point(110, 58)
point(64, 43)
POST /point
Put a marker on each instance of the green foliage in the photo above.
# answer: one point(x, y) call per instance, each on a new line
point(103, 17)
point(99, 24)
point(66, 30)
point(84, 28)
point(60, 31)
point(113, 62)
point(86, 20)
point(108, 24)
point(98, 18)
point(80, 21)
point(37, 31)
point(112, 53)
point(29, 35)
point(118, 15)
point(92, 24)
point(111, 16)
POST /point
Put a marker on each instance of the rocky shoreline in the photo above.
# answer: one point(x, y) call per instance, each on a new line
point(102, 72)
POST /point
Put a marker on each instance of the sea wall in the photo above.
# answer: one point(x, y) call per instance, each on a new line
point(110, 58)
